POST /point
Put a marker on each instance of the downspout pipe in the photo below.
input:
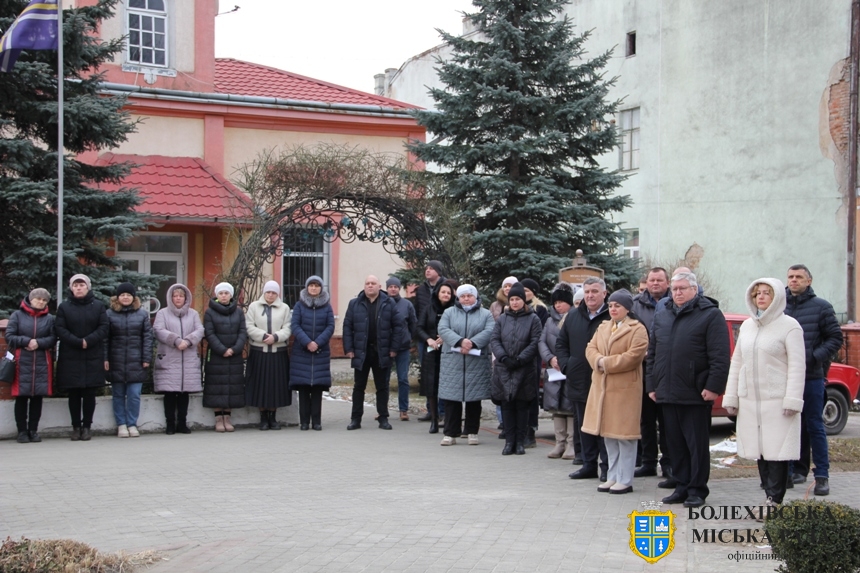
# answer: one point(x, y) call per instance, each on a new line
point(852, 160)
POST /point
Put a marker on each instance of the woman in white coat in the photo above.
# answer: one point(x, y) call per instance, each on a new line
point(765, 387)
point(267, 374)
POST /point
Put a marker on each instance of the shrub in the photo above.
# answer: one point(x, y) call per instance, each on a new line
point(811, 536)
point(65, 556)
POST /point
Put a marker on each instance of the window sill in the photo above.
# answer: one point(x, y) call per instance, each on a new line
point(152, 70)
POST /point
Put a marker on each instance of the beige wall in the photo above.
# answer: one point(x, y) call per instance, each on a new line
point(170, 136)
point(357, 260)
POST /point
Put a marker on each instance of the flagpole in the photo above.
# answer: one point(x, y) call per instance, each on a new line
point(60, 141)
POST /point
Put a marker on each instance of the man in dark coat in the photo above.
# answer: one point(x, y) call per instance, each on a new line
point(579, 327)
point(372, 329)
point(822, 338)
point(82, 327)
point(425, 293)
point(645, 307)
point(403, 348)
point(687, 367)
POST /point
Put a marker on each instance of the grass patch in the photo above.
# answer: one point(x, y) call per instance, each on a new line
point(66, 556)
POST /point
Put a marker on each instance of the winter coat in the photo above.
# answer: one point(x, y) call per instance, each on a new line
point(428, 327)
point(615, 399)
point(262, 319)
point(688, 352)
point(78, 320)
point(426, 293)
point(407, 312)
point(766, 377)
point(177, 370)
point(540, 310)
point(464, 377)
point(514, 343)
point(34, 369)
point(129, 342)
point(313, 321)
point(389, 329)
point(822, 336)
point(645, 307)
point(498, 306)
point(555, 399)
point(224, 328)
point(573, 336)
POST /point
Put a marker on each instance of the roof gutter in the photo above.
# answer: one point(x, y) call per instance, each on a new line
point(252, 101)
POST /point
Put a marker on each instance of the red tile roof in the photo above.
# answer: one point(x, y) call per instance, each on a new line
point(245, 78)
point(180, 188)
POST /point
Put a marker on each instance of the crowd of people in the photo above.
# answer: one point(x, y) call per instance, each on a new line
point(630, 381)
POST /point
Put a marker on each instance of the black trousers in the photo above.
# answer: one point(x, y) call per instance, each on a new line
point(25, 405)
point(176, 408)
point(516, 416)
point(82, 399)
point(310, 404)
point(773, 477)
point(653, 433)
point(687, 429)
point(592, 446)
point(454, 418)
point(380, 380)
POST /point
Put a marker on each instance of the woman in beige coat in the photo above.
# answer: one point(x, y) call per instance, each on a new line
point(616, 353)
point(765, 387)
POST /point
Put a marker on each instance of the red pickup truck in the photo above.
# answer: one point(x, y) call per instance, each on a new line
point(843, 383)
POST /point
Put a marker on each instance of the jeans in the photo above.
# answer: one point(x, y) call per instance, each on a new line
point(812, 432)
point(126, 402)
point(401, 363)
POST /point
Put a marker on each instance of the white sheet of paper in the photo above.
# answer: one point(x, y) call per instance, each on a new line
point(473, 352)
point(554, 375)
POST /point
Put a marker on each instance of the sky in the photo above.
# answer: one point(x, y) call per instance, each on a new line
point(344, 42)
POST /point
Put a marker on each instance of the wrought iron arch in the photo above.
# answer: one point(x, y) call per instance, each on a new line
point(337, 193)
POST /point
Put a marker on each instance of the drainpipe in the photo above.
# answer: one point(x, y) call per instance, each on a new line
point(852, 158)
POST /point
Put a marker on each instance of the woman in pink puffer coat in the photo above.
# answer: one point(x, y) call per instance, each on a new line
point(178, 330)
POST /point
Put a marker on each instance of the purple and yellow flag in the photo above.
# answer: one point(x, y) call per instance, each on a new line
point(34, 29)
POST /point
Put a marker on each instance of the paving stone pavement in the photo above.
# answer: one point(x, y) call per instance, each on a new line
point(367, 500)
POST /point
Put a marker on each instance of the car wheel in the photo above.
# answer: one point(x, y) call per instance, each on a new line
point(835, 413)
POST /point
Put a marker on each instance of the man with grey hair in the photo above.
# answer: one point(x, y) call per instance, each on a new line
point(579, 327)
point(686, 370)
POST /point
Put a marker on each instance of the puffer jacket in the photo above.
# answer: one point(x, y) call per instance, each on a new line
point(688, 352)
point(464, 377)
point(428, 328)
point(263, 318)
point(555, 398)
point(129, 342)
point(224, 328)
point(822, 336)
point(514, 343)
point(615, 399)
point(426, 293)
point(407, 312)
point(389, 329)
point(34, 369)
point(177, 370)
point(80, 319)
point(766, 377)
point(313, 321)
point(574, 335)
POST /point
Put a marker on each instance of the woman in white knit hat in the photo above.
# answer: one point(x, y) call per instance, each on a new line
point(226, 335)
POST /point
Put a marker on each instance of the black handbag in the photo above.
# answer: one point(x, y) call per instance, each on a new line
point(7, 370)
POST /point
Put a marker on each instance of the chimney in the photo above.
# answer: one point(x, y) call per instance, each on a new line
point(379, 84)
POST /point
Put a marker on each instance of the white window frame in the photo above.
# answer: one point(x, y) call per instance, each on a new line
point(630, 250)
point(142, 13)
point(144, 259)
point(628, 125)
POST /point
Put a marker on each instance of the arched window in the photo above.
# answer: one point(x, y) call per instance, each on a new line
point(147, 32)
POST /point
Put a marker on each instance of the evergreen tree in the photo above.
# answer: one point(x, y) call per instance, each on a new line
point(522, 118)
point(28, 170)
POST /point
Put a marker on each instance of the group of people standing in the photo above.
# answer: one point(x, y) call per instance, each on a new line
point(99, 345)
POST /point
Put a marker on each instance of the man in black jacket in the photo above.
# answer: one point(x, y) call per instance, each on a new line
point(579, 327)
point(822, 338)
point(686, 369)
point(372, 329)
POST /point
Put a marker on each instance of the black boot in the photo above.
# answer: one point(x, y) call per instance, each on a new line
point(508, 449)
point(434, 425)
point(273, 423)
point(520, 449)
point(264, 420)
point(530, 441)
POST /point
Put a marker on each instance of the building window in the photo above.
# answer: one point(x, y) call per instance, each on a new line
point(631, 243)
point(305, 254)
point(156, 254)
point(147, 32)
point(629, 122)
point(631, 44)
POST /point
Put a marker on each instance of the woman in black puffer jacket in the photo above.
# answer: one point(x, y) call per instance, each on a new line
point(226, 334)
point(128, 354)
point(30, 337)
point(515, 377)
point(428, 334)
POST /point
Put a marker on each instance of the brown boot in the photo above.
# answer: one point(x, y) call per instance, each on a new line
point(560, 426)
point(557, 451)
point(569, 449)
point(219, 424)
point(227, 425)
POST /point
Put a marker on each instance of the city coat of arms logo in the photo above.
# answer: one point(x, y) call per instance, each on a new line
point(652, 532)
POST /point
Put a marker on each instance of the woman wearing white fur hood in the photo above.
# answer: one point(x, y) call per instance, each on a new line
point(765, 387)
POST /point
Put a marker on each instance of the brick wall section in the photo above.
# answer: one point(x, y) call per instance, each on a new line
point(837, 106)
point(850, 351)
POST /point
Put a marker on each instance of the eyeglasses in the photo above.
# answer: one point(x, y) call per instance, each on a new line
point(679, 289)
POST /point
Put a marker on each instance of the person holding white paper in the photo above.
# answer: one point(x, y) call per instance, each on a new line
point(555, 399)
